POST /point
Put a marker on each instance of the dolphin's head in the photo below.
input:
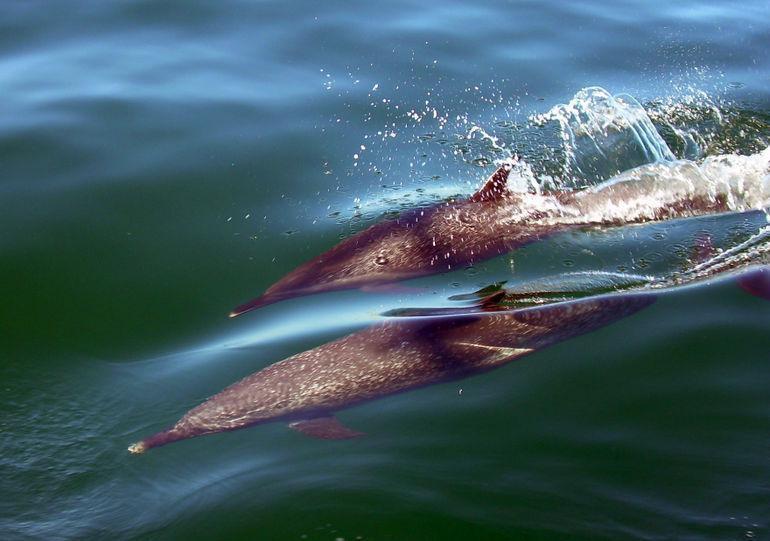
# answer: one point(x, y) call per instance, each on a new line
point(385, 253)
point(394, 250)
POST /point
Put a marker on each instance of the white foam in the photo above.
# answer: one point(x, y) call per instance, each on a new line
point(604, 134)
point(743, 182)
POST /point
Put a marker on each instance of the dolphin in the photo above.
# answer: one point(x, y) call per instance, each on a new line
point(307, 389)
point(493, 221)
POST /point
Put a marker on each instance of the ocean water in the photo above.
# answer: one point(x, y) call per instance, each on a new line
point(161, 163)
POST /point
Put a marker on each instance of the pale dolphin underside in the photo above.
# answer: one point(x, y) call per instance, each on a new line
point(306, 390)
point(493, 221)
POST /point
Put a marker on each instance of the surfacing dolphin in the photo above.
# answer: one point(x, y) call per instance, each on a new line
point(307, 389)
point(491, 222)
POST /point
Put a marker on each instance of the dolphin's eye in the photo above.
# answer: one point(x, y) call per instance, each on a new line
point(381, 259)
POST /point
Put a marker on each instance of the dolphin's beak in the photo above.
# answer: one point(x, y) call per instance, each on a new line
point(259, 302)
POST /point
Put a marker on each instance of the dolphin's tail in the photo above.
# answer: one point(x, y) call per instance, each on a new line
point(156, 440)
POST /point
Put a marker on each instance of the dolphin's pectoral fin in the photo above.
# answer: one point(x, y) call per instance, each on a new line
point(496, 187)
point(494, 355)
point(325, 428)
point(482, 293)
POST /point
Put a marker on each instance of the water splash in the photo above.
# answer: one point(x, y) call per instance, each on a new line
point(591, 138)
point(687, 147)
point(522, 177)
point(603, 135)
point(494, 141)
point(737, 183)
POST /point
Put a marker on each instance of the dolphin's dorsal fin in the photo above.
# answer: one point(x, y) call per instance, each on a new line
point(496, 187)
point(325, 428)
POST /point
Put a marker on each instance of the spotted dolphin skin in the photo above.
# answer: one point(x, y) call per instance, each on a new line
point(307, 389)
point(493, 221)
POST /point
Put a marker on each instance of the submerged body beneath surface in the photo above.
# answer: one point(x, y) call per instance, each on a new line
point(307, 389)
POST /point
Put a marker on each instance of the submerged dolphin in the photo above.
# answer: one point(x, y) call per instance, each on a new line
point(306, 389)
point(489, 223)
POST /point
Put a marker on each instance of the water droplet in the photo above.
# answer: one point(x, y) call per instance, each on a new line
point(381, 260)
point(653, 256)
point(679, 251)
